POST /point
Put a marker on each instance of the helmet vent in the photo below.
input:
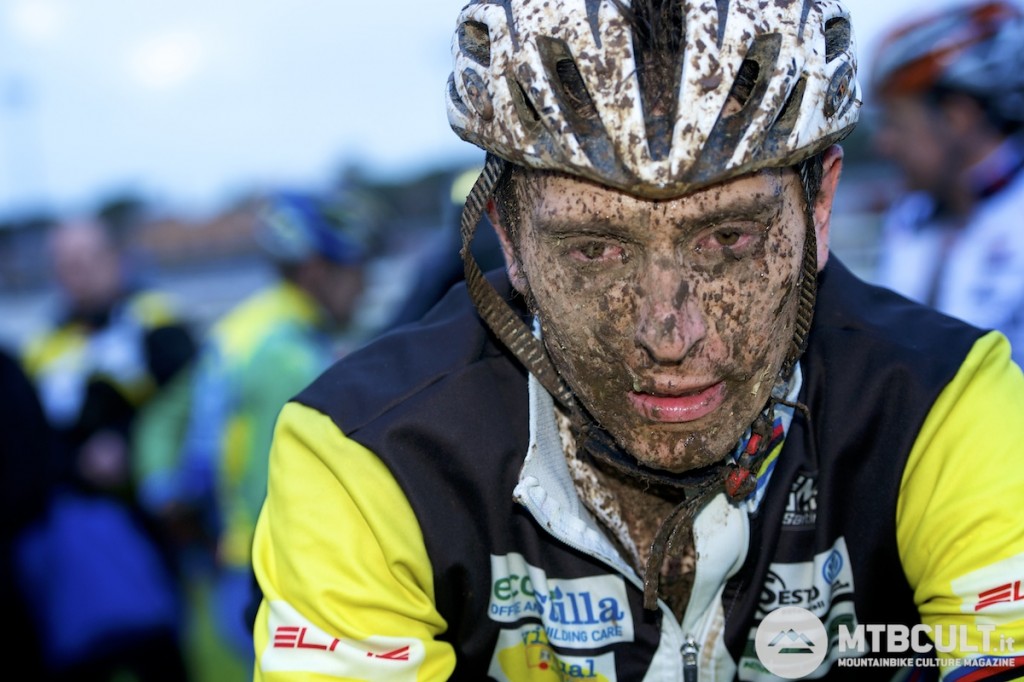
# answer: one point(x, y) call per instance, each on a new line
point(743, 86)
point(569, 88)
point(788, 115)
point(837, 37)
point(575, 90)
point(525, 109)
point(567, 84)
point(475, 42)
point(658, 29)
point(742, 105)
point(723, 16)
point(453, 96)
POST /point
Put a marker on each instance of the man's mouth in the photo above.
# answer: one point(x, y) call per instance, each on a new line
point(678, 406)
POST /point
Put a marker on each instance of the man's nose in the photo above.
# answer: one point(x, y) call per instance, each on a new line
point(670, 321)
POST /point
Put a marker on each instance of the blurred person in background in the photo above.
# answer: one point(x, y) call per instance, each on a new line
point(115, 342)
point(254, 359)
point(950, 87)
point(439, 265)
point(99, 571)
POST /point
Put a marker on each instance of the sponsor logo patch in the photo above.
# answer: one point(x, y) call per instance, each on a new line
point(526, 654)
point(812, 585)
point(802, 503)
point(996, 588)
point(296, 645)
point(1003, 594)
point(581, 613)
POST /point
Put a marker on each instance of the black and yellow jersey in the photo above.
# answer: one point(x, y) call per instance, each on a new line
point(97, 371)
point(421, 522)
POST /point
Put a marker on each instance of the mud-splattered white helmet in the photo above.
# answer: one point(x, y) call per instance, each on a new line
point(571, 85)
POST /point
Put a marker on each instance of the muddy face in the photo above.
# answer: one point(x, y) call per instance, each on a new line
point(669, 319)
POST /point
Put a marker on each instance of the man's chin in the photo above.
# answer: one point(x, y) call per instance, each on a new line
point(678, 462)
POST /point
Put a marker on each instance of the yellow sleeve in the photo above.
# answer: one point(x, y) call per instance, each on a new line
point(347, 584)
point(960, 528)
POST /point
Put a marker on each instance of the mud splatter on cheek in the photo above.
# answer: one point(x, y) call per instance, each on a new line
point(785, 295)
point(578, 282)
point(607, 331)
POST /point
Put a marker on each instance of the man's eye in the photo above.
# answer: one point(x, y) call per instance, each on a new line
point(728, 237)
point(734, 240)
point(598, 251)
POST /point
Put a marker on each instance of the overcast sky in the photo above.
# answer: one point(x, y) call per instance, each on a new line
point(192, 101)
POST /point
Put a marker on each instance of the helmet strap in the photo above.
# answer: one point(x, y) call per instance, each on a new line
point(510, 329)
point(808, 286)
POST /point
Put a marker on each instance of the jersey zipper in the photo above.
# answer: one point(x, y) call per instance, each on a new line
point(689, 651)
point(690, 646)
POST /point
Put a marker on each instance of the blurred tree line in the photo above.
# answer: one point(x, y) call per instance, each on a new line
point(392, 215)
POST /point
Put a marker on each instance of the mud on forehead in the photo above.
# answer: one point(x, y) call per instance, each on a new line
point(520, 186)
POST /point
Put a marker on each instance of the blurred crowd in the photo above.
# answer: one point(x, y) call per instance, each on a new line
point(139, 464)
point(135, 444)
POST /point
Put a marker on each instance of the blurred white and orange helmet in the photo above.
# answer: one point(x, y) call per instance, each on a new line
point(975, 48)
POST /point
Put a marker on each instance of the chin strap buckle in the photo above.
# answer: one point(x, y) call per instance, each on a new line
point(741, 480)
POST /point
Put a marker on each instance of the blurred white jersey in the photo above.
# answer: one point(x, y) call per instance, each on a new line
point(974, 272)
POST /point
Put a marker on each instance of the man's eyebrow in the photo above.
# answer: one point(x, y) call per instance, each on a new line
point(765, 207)
point(746, 208)
point(566, 224)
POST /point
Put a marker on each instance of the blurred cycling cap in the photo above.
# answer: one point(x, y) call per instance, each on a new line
point(975, 48)
point(291, 226)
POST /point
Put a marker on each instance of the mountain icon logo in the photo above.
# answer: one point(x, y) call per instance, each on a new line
point(791, 642)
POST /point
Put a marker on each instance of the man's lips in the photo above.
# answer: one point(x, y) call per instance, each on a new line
point(679, 408)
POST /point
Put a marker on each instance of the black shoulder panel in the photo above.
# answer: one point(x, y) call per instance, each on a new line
point(394, 368)
point(874, 366)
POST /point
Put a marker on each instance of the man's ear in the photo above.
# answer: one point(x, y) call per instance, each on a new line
point(512, 264)
point(832, 167)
